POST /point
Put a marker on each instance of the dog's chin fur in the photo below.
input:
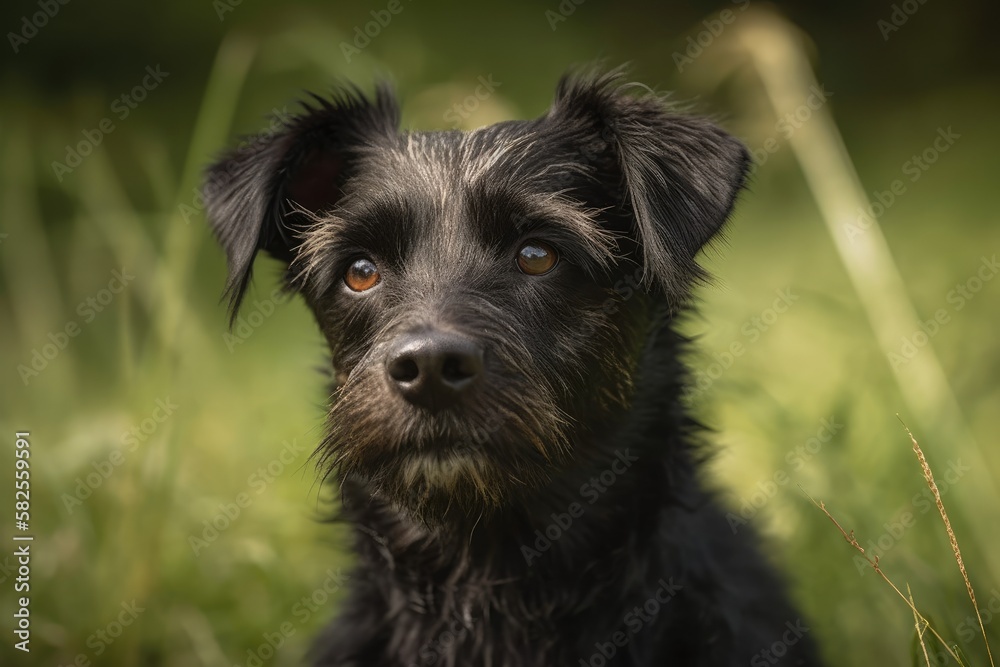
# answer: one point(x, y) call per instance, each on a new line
point(460, 473)
point(441, 491)
point(539, 519)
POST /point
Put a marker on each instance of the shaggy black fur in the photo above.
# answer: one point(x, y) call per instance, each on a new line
point(534, 499)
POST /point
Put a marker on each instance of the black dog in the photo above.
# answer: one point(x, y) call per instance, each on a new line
point(507, 422)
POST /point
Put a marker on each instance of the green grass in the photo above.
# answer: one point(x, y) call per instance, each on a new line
point(163, 338)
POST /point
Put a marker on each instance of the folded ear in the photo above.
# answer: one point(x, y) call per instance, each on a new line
point(679, 175)
point(255, 195)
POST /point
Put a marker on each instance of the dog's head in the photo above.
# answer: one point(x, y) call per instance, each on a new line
point(485, 295)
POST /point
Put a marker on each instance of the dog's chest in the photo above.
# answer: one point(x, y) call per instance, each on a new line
point(493, 630)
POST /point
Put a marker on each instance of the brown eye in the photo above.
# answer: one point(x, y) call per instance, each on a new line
point(361, 275)
point(536, 258)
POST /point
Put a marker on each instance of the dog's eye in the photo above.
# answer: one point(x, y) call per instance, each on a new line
point(362, 275)
point(536, 258)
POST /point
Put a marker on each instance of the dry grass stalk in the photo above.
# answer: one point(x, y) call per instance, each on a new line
point(932, 485)
point(853, 541)
point(920, 628)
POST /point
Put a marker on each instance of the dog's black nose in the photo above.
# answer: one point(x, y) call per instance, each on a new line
point(433, 369)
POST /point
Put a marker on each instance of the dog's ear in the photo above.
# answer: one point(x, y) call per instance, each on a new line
point(260, 195)
point(679, 176)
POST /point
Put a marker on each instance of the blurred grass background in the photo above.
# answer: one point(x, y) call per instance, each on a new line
point(190, 425)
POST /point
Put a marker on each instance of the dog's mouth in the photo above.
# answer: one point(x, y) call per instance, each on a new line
point(437, 464)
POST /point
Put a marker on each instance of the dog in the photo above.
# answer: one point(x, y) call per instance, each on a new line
point(507, 422)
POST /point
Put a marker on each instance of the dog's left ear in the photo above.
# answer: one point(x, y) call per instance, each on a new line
point(261, 195)
point(679, 175)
